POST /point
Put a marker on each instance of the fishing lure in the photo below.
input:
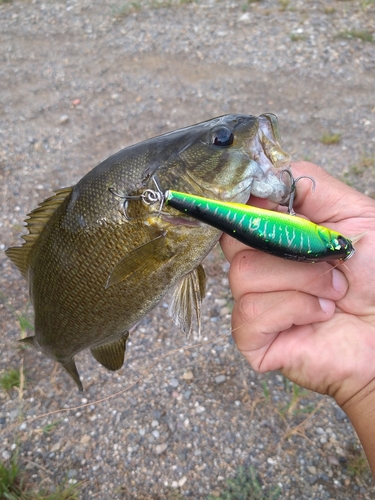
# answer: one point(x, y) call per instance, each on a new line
point(280, 234)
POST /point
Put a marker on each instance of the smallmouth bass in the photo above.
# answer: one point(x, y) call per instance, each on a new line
point(94, 271)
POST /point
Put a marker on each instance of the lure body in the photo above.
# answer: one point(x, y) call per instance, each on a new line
point(280, 234)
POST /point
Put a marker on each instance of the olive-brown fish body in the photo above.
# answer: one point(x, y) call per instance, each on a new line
point(95, 268)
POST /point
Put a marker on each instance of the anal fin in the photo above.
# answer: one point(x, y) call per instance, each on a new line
point(112, 355)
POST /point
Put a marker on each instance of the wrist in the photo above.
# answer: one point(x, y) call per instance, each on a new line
point(360, 410)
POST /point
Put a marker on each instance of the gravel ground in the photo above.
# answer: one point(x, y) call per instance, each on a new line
point(80, 80)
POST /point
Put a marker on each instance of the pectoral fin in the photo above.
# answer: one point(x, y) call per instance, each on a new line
point(185, 306)
point(143, 260)
point(111, 356)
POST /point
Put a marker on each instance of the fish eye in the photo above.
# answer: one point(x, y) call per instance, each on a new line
point(222, 136)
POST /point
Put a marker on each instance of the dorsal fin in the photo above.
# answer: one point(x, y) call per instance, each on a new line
point(35, 224)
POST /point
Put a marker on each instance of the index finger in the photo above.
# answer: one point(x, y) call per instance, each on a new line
point(332, 200)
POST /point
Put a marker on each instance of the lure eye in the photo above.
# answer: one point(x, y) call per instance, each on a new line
point(222, 136)
point(342, 242)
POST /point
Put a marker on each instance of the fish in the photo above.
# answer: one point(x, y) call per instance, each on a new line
point(96, 264)
point(277, 233)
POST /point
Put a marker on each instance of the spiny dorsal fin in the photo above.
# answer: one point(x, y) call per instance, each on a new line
point(187, 299)
point(35, 224)
point(111, 356)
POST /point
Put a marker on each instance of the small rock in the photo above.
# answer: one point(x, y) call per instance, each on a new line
point(200, 409)
point(340, 414)
point(174, 382)
point(154, 423)
point(332, 460)
point(76, 102)
point(72, 473)
point(189, 375)
point(221, 302)
point(56, 446)
point(85, 439)
point(63, 119)
point(160, 448)
point(156, 434)
point(224, 310)
point(311, 469)
point(228, 451)
point(220, 379)
point(6, 455)
point(182, 481)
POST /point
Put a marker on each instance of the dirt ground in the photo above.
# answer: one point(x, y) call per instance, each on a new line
point(79, 81)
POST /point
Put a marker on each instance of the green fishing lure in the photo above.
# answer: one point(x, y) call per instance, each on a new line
point(280, 234)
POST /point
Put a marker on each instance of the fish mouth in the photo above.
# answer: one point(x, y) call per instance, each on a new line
point(179, 220)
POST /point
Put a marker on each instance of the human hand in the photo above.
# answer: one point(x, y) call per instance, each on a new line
point(314, 322)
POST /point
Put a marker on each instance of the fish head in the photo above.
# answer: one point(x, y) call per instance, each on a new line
point(232, 156)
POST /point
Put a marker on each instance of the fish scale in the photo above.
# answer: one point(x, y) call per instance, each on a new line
point(95, 269)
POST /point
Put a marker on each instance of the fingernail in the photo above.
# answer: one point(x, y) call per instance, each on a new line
point(327, 306)
point(339, 281)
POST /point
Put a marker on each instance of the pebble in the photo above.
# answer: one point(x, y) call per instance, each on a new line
point(189, 375)
point(220, 379)
point(224, 310)
point(57, 446)
point(63, 119)
point(340, 414)
point(174, 382)
point(182, 481)
point(160, 448)
point(200, 409)
point(85, 439)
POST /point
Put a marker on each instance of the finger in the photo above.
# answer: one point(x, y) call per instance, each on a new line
point(332, 200)
point(232, 247)
point(258, 272)
point(257, 319)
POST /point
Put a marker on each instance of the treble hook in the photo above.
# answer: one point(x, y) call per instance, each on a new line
point(149, 197)
point(293, 188)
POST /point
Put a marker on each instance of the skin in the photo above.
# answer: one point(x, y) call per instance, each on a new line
point(321, 336)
